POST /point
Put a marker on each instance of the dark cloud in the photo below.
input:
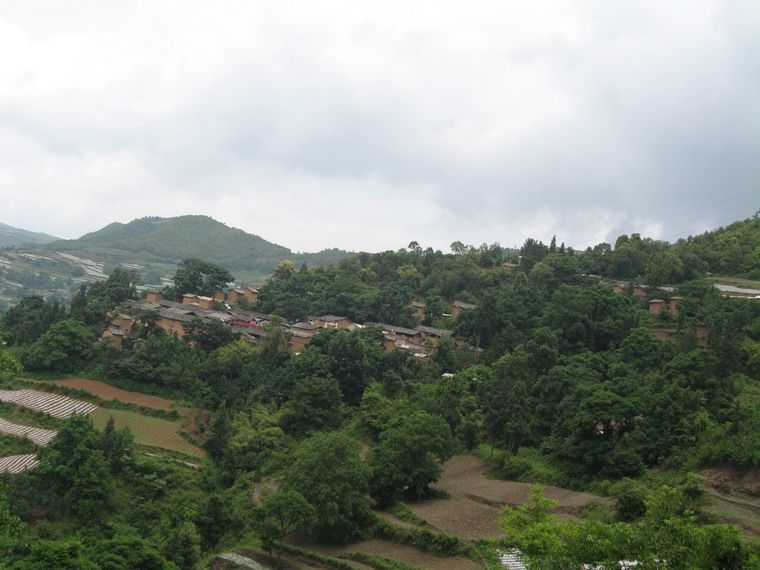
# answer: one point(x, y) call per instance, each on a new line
point(347, 124)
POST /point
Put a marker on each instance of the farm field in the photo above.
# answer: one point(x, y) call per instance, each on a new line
point(473, 508)
point(55, 405)
point(38, 436)
point(147, 430)
point(108, 392)
point(18, 463)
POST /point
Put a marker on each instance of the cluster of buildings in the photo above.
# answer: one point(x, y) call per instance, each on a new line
point(176, 317)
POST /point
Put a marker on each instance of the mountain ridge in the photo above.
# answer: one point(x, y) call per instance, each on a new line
point(11, 236)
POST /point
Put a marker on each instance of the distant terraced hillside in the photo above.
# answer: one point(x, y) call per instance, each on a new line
point(10, 236)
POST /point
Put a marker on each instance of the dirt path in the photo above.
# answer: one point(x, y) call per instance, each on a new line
point(473, 509)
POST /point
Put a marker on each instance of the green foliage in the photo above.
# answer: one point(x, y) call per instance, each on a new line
point(65, 347)
point(28, 320)
point(327, 471)
point(409, 456)
point(422, 538)
point(9, 366)
point(199, 277)
point(282, 514)
point(378, 562)
point(73, 476)
point(183, 545)
point(667, 532)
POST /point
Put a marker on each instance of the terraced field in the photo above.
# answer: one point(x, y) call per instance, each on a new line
point(18, 463)
point(38, 436)
point(108, 392)
point(58, 406)
point(148, 430)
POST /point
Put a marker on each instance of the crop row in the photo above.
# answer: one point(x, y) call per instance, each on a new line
point(52, 404)
point(38, 436)
point(18, 463)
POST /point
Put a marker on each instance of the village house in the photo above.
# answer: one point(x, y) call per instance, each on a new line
point(333, 322)
point(460, 306)
point(418, 310)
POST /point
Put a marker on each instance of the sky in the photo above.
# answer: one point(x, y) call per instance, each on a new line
point(366, 125)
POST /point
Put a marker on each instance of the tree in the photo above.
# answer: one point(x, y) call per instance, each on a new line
point(183, 545)
point(73, 472)
point(9, 366)
point(117, 446)
point(327, 471)
point(409, 456)
point(63, 348)
point(314, 404)
point(281, 514)
point(29, 319)
point(199, 277)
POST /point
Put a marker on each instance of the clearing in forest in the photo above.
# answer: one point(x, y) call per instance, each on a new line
point(150, 431)
point(475, 502)
point(108, 392)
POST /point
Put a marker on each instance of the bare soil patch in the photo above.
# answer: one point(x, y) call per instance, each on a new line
point(473, 509)
point(403, 553)
point(108, 392)
point(735, 496)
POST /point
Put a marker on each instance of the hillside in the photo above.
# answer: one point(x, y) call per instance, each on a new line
point(169, 240)
point(10, 236)
point(152, 245)
point(731, 250)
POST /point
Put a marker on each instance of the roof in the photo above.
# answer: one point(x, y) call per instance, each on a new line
point(331, 318)
point(305, 326)
point(656, 301)
point(465, 306)
point(395, 329)
point(434, 331)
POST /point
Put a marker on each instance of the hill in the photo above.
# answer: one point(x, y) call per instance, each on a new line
point(168, 240)
point(151, 245)
point(10, 236)
point(731, 250)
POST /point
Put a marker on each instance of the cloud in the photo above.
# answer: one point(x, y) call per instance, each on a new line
point(365, 125)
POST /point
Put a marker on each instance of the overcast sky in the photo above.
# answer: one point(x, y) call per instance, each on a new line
point(366, 124)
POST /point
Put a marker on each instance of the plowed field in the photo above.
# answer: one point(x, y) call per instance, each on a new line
point(108, 392)
point(473, 509)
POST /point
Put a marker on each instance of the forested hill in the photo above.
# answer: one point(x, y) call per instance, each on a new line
point(10, 236)
point(732, 250)
point(168, 240)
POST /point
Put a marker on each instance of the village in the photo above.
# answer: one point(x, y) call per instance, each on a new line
point(176, 317)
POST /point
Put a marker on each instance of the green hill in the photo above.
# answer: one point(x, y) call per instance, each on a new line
point(10, 236)
point(168, 240)
point(157, 244)
point(731, 250)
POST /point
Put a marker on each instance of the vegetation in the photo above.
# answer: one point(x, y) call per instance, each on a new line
point(568, 385)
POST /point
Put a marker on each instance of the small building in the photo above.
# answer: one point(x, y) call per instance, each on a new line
point(115, 335)
point(460, 306)
point(332, 322)
point(418, 310)
point(153, 296)
point(251, 295)
point(234, 295)
point(656, 306)
point(432, 333)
